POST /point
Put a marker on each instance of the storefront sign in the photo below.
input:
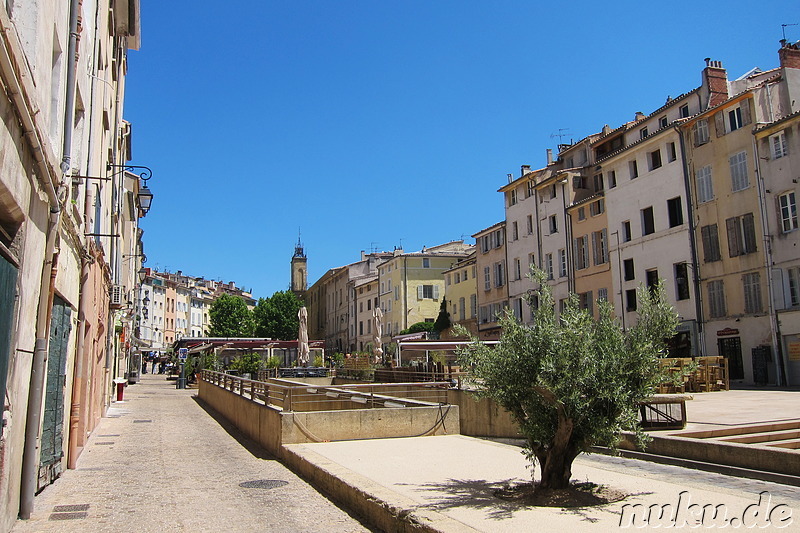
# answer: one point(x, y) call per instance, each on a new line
point(727, 331)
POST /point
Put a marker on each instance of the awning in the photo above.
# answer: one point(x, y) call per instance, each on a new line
point(201, 348)
point(445, 346)
point(139, 342)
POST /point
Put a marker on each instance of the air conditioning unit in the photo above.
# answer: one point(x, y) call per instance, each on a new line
point(116, 297)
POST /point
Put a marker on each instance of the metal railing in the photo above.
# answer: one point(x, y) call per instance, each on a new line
point(309, 397)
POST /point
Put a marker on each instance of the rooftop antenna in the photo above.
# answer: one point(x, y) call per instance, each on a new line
point(373, 247)
point(783, 29)
point(562, 132)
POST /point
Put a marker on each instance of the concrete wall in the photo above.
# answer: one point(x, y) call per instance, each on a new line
point(272, 428)
point(482, 417)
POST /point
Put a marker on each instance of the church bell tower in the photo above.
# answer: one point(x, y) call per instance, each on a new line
point(299, 284)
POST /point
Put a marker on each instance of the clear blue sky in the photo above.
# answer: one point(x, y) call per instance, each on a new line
point(371, 124)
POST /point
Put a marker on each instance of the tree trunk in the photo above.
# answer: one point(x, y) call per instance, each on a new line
point(556, 459)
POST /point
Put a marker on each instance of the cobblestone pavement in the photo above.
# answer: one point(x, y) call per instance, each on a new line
point(160, 462)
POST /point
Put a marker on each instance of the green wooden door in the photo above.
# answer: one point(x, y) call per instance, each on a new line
point(8, 294)
point(53, 424)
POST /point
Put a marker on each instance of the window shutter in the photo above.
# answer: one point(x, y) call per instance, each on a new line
point(749, 230)
point(719, 124)
point(745, 107)
point(706, 237)
point(694, 135)
point(419, 292)
point(435, 292)
point(732, 225)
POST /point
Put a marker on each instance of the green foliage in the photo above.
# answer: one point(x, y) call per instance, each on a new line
point(420, 327)
point(572, 382)
point(319, 361)
point(443, 320)
point(274, 362)
point(276, 316)
point(338, 360)
point(230, 317)
point(248, 363)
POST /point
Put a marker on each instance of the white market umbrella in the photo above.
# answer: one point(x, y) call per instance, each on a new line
point(302, 337)
point(377, 325)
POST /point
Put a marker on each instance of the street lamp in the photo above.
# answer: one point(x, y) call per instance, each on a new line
point(145, 198)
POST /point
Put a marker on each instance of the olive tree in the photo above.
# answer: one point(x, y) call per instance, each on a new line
point(572, 382)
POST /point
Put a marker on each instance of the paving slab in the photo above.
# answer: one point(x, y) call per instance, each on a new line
point(719, 409)
point(160, 462)
point(446, 483)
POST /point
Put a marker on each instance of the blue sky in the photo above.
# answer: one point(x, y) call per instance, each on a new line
point(369, 125)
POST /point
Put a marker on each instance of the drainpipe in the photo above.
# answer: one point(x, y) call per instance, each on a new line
point(31, 451)
point(698, 304)
point(774, 324)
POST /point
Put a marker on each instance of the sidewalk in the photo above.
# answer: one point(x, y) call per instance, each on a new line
point(447, 483)
point(159, 462)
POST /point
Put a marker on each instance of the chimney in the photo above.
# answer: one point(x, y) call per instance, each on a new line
point(549, 156)
point(789, 55)
point(525, 169)
point(639, 116)
point(363, 255)
point(606, 129)
point(715, 82)
point(510, 177)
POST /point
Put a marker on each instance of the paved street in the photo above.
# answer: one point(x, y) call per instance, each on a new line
point(160, 462)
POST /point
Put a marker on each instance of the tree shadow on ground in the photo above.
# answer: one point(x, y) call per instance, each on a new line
point(480, 494)
point(246, 442)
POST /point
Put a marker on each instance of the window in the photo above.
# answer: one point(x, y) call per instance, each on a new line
point(675, 212)
point(739, 179)
point(498, 238)
point(487, 278)
point(705, 189)
point(602, 294)
point(612, 179)
point(626, 231)
point(512, 197)
point(473, 305)
point(684, 110)
point(672, 153)
point(595, 208)
point(553, 224)
point(711, 249)
point(662, 122)
point(734, 119)
point(778, 146)
point(654, 158)
point(582, 252)
point(752, 293)
point(600, 246)
point(428, 292)
point(518, 308)
point(741, 235)
point(700, 131)
point(648, 223)
point(548, 261)
point(531, 188)
point(517, 269)
point(530, 224)
point(630, 300)
point(598, 182)
point(446, 281)
point(426, 262)
point(634, 169)
point(514, 232)
point(794, 287)
point(552, 191)
point(396, 293)
point(627, 266)
point(716, 299)
point(456, 277)
point(499, 274)
point(562, 263)
point(581, 213)
point(681, 281)
point(586, 301)
point(485, 247)
point(643, 133)
point(531, 260)
point(788, 211)
point(651, 279)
